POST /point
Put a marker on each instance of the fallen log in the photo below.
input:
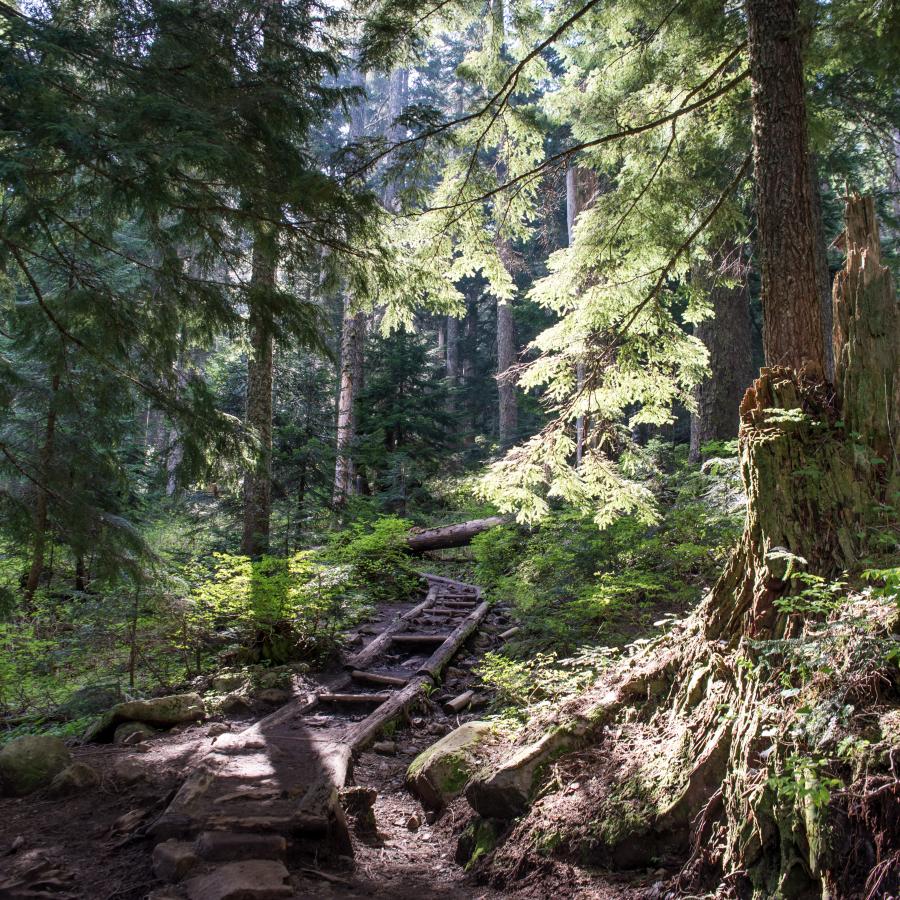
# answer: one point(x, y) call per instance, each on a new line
point(451, 535)
point(354, 698)
point(436, 662)
point(419, 638)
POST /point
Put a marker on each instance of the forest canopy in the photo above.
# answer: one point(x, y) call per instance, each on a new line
point(607, 284)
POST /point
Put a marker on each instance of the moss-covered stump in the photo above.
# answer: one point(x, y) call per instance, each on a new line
point(441, 773)
point(31, 762)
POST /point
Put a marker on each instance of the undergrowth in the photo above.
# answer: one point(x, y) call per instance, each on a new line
point(192, 615)
point(584, 596)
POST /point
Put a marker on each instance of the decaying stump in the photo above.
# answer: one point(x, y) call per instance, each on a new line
point(820, 464)
point(820, 467)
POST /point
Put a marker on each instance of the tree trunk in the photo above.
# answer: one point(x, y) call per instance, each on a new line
point(352, 341)
point(786, 232)
point(727, 338)
point(42, 501)
point(452, 351)
point(80, 582)
point(581, 186)
point(353, 336)
point(451, 535)
point(506, 359)
point(398, 93)
point(895, 174)
point(823, 276)
point(258, 479)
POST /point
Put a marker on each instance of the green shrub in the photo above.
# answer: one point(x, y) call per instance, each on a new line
point(272, 609)
point(573, 586)
point(377, 559)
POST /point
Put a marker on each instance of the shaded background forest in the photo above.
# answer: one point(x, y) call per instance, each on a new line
point(253, 323)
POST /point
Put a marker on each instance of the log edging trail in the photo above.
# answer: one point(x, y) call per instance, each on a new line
point(280, 778)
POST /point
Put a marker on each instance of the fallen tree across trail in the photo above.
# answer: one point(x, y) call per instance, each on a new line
point(452, 535)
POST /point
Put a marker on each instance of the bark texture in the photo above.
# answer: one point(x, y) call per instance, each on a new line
point(867, 340)
point(451, 535)
point(727, 338)
point(820, 467)
point(353, 334)
point(790, 296)
point(452, 351)
point(823, 276)
point(398, 98)
point(258, 479)
point(506, 382)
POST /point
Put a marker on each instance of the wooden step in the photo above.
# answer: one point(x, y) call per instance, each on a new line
point(378, 678)
point(354, 698)
point(419, 638)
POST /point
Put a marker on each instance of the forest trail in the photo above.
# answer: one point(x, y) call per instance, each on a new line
point(269, 796)
point(259, 812)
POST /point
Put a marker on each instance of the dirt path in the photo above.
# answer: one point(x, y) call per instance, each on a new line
point(281, 770)
point(258, 804)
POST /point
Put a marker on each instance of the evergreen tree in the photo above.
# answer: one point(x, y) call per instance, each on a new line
point(404, 431)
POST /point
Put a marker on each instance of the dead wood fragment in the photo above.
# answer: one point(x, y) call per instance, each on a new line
point(458, 704)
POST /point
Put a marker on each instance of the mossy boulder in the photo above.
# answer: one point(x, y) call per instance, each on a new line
point(228, 681)
point(31, 762)
point(504, 791)
point(442, 772)
point(160, 712)
point(74, 778)
point(90, 700)
point(271, 677)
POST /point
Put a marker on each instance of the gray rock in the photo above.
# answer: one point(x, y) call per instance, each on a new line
point(173, 860)
point(504, 791)
point(128, 771)
point(76, 777)
point(442, 772)
point(235, 704)
point(228, 682)
point(162, 712)
point(385, 748)
point(254, 879)
point(130, 733)
point(31, 762)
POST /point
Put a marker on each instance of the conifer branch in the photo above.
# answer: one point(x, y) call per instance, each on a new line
point(564, 156)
